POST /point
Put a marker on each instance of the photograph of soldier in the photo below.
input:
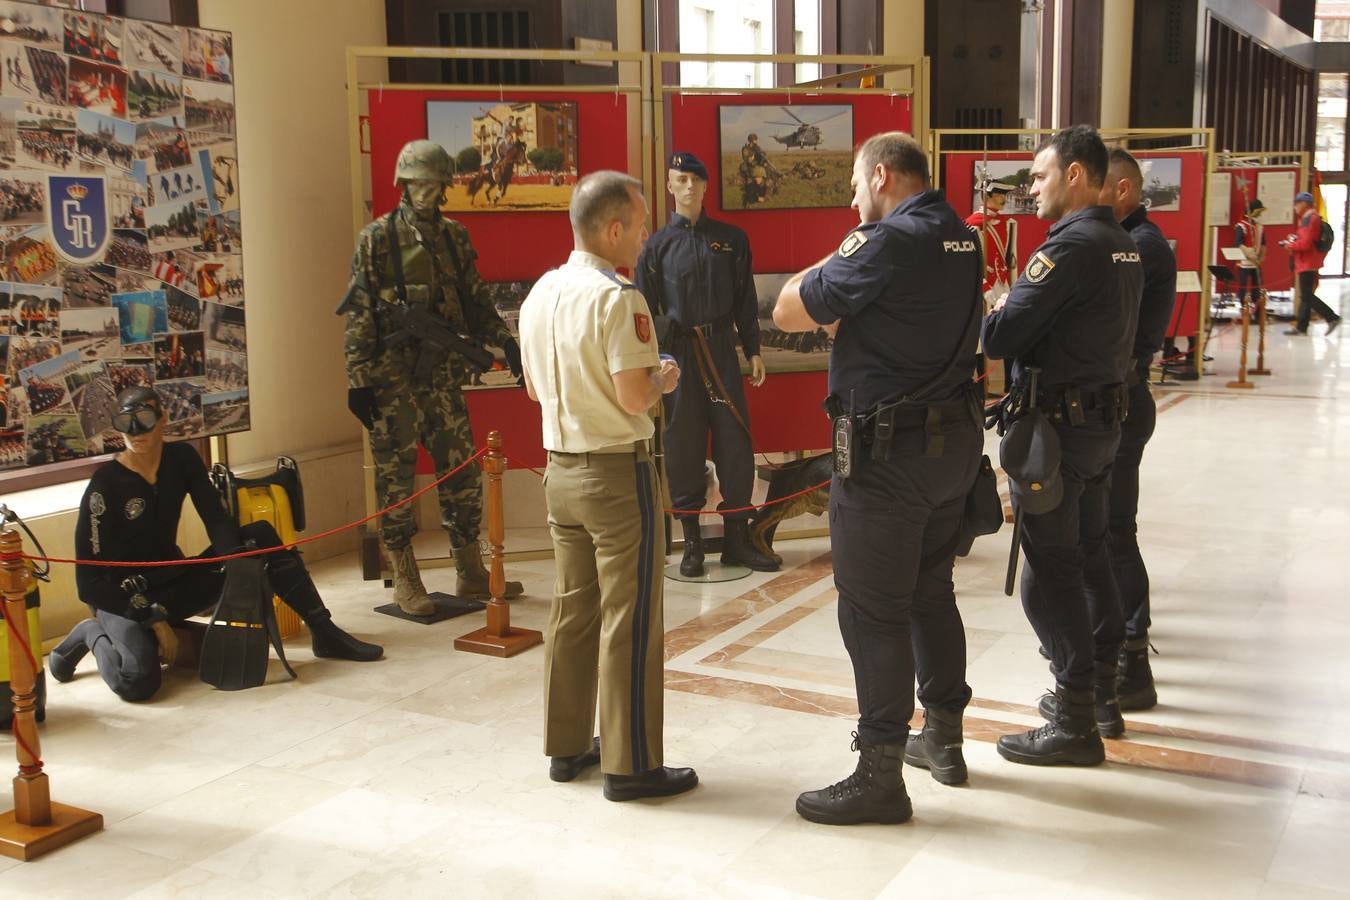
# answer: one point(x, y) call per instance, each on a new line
point(28, 255)
point(176, 268)
point(91, 332)
point(140, 316)
point(181, 185)
point(209, 107)
point(44, 384)
point(35, 311)
point(152, 46)
point(184, 310)
point(98, 87)
point(153, 95)
point(33, 74)
point(28, 351)
point(182, 406)
point(23, 201)
point(207, 55)
point(46, 149)
point(508, 155)
point(179, 356)
point(104, 140)
point(11, 448)
point(1016, 173)
point(220, 166)
point(405, 389)
point(695, 273)
point(222, 279)
point(125, 375)
point(785, 157)
point(92, 396)
point(1162, 183)
point(85, 287)
point(224, 412)
point(787, 351)
point(128, 250)
point(32, 24)
point(506, 298)
point(53, 438)
point(171, 225)
point(225, 371)
point(164, 141)
point(223, 326)
point(94, 37)
point(220, 234)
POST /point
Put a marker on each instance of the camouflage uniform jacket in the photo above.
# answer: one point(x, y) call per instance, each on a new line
point(375, 354)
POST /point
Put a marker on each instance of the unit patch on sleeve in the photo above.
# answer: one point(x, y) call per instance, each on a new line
point(1039, 267)
point(643, 326)
point(852, 242)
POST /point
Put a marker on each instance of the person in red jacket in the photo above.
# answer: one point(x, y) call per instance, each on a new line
point(1307, 263)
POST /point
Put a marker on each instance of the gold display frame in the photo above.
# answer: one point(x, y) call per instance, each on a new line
point(1123, 136)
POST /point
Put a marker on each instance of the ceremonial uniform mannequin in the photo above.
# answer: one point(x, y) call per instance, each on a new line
point(998, 235)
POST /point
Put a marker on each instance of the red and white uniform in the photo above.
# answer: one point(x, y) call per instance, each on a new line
point(994, 230)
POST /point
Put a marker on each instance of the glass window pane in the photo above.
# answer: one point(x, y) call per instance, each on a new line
point(806, 36)
point(1334, 197)
point(726, 27)
point(1331, 110)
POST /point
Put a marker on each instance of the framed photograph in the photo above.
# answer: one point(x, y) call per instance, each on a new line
point(506, 296)
point(786, 157)
point(1013, 172)
point(807, 351)
point(507, 155)
point(208, 106)
point(1162, 183)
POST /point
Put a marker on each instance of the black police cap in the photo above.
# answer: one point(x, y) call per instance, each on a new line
point(688, 162)
point(1030, 454)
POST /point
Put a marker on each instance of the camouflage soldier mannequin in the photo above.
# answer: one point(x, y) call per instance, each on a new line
point(401, 406)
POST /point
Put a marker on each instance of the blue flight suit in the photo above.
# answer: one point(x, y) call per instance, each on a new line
point(907, 293)
point(1155, 312)
point(1073, 313)
point(700, 277)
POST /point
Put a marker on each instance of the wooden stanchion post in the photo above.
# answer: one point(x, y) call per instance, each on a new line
point(498, 638)
point(1242, 381)
point(1260, 369)
point(35, 825)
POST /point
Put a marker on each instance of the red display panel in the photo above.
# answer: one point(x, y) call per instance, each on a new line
point(512, 246)
point(781, 240)
point(1277, 273)
point(1185, 226)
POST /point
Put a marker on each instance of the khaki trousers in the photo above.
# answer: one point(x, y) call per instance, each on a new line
point(606, 630)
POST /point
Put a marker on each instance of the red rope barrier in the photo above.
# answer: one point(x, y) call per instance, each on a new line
point(202, 560)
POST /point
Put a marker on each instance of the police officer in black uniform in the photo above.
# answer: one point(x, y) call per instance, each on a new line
point(903, 292)
point(1071, 316)
point(696, 275)
point(1123, 192)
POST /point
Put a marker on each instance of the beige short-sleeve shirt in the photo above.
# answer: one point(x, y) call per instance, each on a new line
point(581, 324)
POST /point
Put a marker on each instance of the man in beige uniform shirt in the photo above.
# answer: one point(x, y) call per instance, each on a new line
point(590, 360)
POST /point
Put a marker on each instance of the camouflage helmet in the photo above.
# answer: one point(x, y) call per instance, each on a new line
point(423, 161)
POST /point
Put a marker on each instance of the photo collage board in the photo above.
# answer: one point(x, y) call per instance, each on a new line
point(120, 244)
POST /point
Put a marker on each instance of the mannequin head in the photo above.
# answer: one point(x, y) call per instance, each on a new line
point(424, 196)
point(687, 182)
point(423, 170)
point(139, 416)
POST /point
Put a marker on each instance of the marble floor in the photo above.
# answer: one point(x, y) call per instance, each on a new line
point(423, 775)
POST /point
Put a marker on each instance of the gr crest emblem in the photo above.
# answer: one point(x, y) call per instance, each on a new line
point(77, 215)
point(1039, 267)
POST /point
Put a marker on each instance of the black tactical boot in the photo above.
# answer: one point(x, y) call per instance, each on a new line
point(875, 792)
point(1105, 706)
point(331, 642)
point(1070, 738)
point(691, 564)
point(938, 747)
point(737, 549)
point(1134, 683)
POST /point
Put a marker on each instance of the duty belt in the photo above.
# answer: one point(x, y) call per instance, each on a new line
point(876, 428)
point(1076, 406)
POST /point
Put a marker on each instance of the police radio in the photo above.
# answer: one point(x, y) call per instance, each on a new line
point(843, 444)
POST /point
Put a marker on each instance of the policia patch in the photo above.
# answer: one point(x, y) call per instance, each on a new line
point(852, 242)
point(1039, 267)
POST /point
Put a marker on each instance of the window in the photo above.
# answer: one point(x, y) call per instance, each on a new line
point(806, 36)
point(726, 27)
point(1331, 109)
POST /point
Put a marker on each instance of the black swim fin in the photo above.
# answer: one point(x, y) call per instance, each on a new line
point(234, 650)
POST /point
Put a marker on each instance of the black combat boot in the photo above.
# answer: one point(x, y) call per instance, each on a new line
point(1105, 706)
point(875, 792)
point(938, 747)
point(737, 549)
point(330, 642)
point(1134, 683)
point(691, 564)
point(1070, 738)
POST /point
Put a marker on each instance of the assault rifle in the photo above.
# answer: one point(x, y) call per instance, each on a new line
point(434, 338)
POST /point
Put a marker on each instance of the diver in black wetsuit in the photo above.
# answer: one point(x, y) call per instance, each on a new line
point(130, 513)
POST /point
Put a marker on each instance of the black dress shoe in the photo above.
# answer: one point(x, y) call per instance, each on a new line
point(565, 768)
point(662, 782)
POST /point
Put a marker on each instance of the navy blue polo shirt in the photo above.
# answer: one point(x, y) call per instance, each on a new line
point(1075, 306)
point(906, 292)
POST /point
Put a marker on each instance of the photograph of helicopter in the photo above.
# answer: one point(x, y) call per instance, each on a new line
point(786, 157)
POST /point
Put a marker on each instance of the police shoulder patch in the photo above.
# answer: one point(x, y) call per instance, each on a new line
point(1039, 267)
point(852, 242)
